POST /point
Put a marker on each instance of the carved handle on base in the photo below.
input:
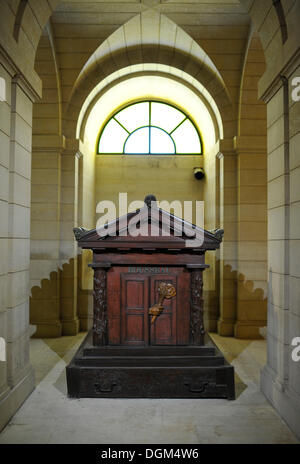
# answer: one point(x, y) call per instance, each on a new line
point(104, 389)
point(199, 389)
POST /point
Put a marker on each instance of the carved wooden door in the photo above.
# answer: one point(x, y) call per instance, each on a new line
point(139, 293)
point(132, 294)
point(134, 312)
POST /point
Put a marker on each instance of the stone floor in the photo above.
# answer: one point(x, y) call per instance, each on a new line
point(48, 416)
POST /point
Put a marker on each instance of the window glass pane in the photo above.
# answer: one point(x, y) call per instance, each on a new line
point(186, 138)
point(165, 116)
point(161, 142)
point(134, 116)
point(113, 138)
point(138, 142)
point(171, 131)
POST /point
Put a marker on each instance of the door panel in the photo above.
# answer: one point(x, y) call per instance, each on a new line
point(163, 330)
point(130, 295)
point(134, 309)
point(183, 298)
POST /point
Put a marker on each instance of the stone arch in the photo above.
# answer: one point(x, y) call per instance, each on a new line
point(281, 18)
point(277, 29)
point(259, 13)
point(47, 66)
point(263, 15)
point(176, 49)
point(249, 103)
point(102, 89)
point(167, 55)
point(23, 4)
point(197, 70)
point(257, 9)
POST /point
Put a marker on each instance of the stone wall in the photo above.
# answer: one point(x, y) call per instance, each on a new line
point(16, 374)
point(280, 377)
point(240, 197)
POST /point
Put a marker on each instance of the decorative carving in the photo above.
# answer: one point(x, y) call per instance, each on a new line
point(149, 199)
point(219, 234)
point(106, 382)
point(199, 388)
point(165, 290)
point(100, 308)
point(79, 232)
point(196, 325)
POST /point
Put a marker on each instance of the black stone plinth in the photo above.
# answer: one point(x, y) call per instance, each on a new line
point(149, 372)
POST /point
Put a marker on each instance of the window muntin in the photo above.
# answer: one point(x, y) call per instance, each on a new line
point(165, 116)
point(150, 128)
point(161, 142)
point(186, 138)
point(134, 116)
point(112, 138)
point(138, 142)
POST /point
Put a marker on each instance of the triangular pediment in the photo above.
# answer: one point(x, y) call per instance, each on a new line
point(149, 227)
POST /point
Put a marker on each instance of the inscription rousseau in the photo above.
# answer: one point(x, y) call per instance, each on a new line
point(148, 270)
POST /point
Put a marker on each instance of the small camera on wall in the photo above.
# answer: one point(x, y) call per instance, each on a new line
point(199, 173)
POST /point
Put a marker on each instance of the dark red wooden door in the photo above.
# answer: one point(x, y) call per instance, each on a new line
point(134, 314)
point(139, 293)
point(130, 295)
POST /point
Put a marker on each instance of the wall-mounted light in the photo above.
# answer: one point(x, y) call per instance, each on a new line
point(199, 173)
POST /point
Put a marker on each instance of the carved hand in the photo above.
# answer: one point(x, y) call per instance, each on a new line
point(167, 291)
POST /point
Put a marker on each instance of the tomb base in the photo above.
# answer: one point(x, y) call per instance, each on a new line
point(149, 372)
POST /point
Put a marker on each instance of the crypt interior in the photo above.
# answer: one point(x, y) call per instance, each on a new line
point(78, 80)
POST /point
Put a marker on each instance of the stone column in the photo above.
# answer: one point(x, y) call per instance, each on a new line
point(68, 244)
point(45, 235)
point(15, 205)
point(5, 115)
point(228, 250)
point(19, 367)
point(294, 254)
point(280, 379)
point(252, 236)
point(211, 278)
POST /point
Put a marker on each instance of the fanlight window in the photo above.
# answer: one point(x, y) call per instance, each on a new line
point(150, 128)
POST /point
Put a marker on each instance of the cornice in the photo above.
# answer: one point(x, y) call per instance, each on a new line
point(286, 72)
point(17, 77)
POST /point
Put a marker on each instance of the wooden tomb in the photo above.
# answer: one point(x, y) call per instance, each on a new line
point(148, 334)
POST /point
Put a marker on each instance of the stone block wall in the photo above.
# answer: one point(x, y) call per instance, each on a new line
point(16, 373)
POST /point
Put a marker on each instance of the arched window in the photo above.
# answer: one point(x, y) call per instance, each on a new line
point(150, 128)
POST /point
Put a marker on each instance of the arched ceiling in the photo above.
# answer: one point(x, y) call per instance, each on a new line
point(159, 88)
point(148, 39)
point(120, 33)
point(205, 40)
point(81, 27)
point(147, 29)
point(151, 70)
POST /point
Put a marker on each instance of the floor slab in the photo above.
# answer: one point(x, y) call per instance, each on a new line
point(49, 416)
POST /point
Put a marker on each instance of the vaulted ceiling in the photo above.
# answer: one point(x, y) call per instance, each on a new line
point(79, 27)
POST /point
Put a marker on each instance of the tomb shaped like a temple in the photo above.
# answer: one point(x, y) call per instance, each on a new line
point(148, 336)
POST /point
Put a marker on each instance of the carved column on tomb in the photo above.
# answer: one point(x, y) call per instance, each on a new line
point(197, 331)
point(100, 324)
